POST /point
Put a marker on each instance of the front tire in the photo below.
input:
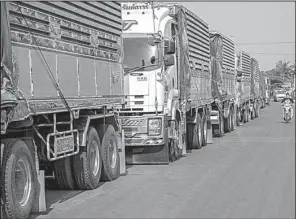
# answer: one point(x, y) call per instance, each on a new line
point(18, 178)
point(88, 164)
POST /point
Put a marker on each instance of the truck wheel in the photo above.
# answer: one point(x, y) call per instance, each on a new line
point(204, 128)
point(190, 137)
point(18, 176)
point(88, 164)
point(110, 155)
point(174, 152)
point(64, 174)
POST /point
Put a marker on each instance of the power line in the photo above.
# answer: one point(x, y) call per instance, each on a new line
point(280, 54)
point(265, 43)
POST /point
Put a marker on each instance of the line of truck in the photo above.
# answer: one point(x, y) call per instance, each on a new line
point(88, 87)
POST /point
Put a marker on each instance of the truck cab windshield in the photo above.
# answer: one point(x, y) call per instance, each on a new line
point(139, 55)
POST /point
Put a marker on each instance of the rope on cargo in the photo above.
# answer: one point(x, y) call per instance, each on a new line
point(46, 65)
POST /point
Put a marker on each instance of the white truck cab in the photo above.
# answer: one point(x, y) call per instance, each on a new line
point(150, 78)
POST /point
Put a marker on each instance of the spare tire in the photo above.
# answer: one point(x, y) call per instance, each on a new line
point(18, 178)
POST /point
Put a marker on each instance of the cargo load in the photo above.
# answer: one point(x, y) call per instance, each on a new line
point(255, 72)
point(223, 65)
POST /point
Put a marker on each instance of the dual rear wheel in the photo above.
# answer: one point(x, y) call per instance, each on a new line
point(99, 161)
point(197, 133)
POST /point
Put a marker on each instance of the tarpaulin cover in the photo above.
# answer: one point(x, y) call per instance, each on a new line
point(216, 49)
point(185, 74)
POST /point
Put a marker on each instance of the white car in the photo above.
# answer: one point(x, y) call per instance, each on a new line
point(279, 95)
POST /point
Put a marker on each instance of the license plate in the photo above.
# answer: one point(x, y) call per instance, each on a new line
point(64, 144)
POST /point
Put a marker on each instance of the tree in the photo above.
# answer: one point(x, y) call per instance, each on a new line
point(284, 69)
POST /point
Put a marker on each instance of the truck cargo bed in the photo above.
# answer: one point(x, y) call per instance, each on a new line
point(71, 46)
point(223, 65)
point(199, 58)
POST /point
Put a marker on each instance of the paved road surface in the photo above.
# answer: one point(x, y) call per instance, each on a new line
point(249, 173)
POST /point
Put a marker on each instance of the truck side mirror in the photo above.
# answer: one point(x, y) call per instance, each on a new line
point(169, 47)
point(169, 61)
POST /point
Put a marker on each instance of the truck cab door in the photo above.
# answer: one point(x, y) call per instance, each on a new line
point(171, 71)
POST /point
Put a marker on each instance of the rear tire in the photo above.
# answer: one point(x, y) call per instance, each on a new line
point(64, 174)
point(17, 173)
point(110, 155)
point(88, 164)
point(174, 152)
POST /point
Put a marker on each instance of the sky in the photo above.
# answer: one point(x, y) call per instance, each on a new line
point(253, 22)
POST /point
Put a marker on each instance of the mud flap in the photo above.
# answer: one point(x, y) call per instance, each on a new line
point(39, 204)
point(149, 154)
point(40, 201)
point(121, 150)
point(209, 133)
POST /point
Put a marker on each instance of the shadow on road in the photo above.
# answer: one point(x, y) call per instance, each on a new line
point(55, 196)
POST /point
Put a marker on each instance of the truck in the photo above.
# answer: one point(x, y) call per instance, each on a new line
point(61, 82)
point(223, 113)
point(247, 98)
point(265, 90)
point(256, 99)
point(167, 82)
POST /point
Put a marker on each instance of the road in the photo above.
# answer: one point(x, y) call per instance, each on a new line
point(249, 173)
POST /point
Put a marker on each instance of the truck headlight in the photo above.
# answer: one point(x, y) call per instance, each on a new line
point(154, 126)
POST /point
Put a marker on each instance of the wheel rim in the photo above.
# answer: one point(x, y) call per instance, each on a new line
point(23, 181)
point(94, 157)
point(112, 153)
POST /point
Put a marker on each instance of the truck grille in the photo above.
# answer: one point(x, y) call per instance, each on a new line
point(128, 122)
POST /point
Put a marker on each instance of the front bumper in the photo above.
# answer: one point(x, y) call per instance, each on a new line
point(136, 131)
